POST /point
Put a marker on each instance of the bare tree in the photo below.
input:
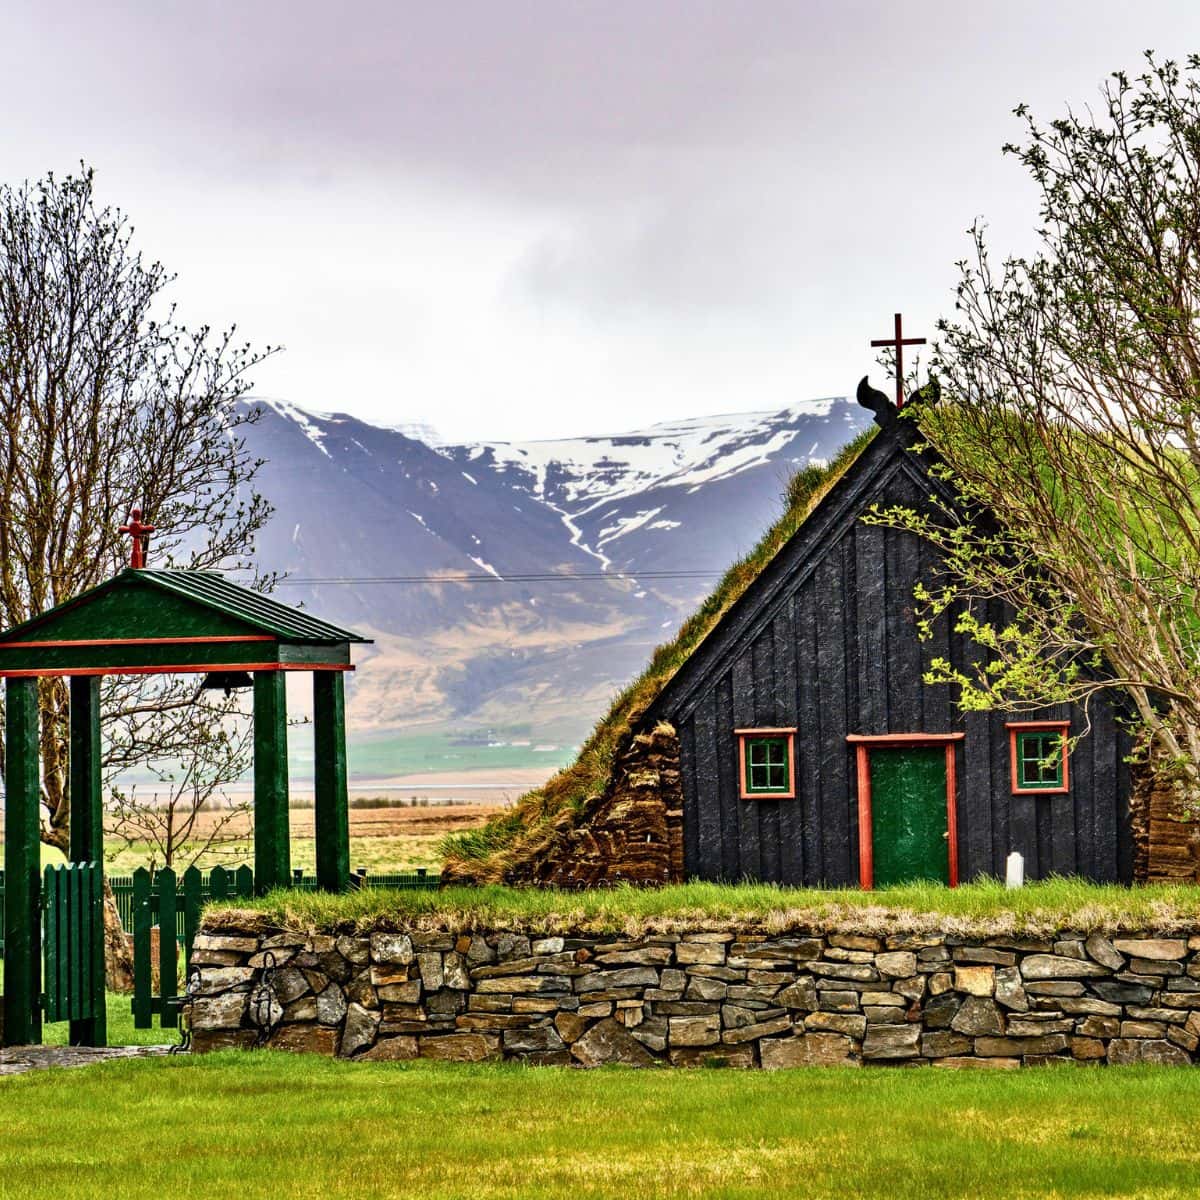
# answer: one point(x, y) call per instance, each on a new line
point(108, 402)
point(188, 814)
point(1074, 420)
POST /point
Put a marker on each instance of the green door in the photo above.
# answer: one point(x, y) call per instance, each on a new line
point(908, 814)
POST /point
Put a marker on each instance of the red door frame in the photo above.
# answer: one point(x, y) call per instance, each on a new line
point(863, 744)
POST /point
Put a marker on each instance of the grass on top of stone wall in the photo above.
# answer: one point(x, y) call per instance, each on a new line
point(978, 908)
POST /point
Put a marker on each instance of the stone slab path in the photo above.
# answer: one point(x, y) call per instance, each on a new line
point(16, 1060)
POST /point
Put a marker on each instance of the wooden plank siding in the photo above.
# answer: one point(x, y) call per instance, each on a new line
point(826, 641)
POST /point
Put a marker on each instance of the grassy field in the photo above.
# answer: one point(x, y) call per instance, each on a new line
point(986, 906)
point(270, 1125)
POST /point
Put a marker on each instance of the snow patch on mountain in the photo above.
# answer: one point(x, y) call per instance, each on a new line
point(576, 535)
point(485, 566)
point(417, 431)
point(302, 418)
point(589, 470)
point(626, 525)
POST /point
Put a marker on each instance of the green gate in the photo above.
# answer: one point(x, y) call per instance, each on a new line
point(73, 949)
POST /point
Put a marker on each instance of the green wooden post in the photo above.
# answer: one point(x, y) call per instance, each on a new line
point(87, 838)
point(67, 912)
point(272, 856)
point(143, 921)
point(22, 860)
point(332, 810)
point(191, 914)
point(168, 948)
point(99, 1013)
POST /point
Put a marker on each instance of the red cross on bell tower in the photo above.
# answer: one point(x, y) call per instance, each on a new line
point(897, 342)
point(140, 538)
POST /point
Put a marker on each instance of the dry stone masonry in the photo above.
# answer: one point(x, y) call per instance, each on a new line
point(737, 998)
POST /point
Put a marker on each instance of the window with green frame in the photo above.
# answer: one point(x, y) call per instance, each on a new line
point(1039, 760)
point(768, 765)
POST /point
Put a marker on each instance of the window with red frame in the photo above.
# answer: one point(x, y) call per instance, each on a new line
point(1039, 754)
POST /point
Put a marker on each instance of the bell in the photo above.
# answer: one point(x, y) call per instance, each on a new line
point(226, 681)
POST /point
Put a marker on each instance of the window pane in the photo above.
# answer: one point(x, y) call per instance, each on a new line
point(1039, 759)
point(767, 766)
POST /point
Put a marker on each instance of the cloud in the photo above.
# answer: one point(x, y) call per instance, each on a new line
point(531, 217)
point(682, 257)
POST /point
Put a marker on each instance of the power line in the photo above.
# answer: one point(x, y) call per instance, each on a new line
point(526, 577)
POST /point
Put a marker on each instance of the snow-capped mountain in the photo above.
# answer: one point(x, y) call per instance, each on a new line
point(680, 496)
point(551, 534)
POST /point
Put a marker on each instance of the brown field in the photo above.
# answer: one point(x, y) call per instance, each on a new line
point(393, 838)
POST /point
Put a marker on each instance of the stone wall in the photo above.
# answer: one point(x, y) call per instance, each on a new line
point(741, 998)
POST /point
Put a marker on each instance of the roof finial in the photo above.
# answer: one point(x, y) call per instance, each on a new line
point(140, 535)
point(897, 342)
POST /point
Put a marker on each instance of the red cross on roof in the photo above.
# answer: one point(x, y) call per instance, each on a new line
point(140, 536)
point(897, 342)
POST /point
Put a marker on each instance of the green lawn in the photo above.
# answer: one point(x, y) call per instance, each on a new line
point(987, 906)
point(271, 1125)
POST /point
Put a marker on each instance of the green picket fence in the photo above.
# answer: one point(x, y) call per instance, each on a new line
point(163, 901)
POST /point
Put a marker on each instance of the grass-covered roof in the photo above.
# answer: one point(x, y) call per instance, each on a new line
point(492, 853)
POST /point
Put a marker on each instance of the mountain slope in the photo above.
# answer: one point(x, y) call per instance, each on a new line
point(356, 500)
point(674, 502)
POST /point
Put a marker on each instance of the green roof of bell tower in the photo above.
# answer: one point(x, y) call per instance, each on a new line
point(151, 620)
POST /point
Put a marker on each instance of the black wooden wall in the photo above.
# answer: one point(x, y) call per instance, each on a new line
point(833, 650)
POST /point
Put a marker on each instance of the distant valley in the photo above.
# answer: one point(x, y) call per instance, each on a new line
point(517, 585)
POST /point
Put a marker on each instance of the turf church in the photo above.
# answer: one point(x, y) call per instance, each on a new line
point(797, 741)
point(812, 752)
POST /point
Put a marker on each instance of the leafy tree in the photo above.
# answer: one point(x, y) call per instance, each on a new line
point(108, 402)
point(1073, 380)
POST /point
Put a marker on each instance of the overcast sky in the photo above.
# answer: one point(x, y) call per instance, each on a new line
point(527, 219)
